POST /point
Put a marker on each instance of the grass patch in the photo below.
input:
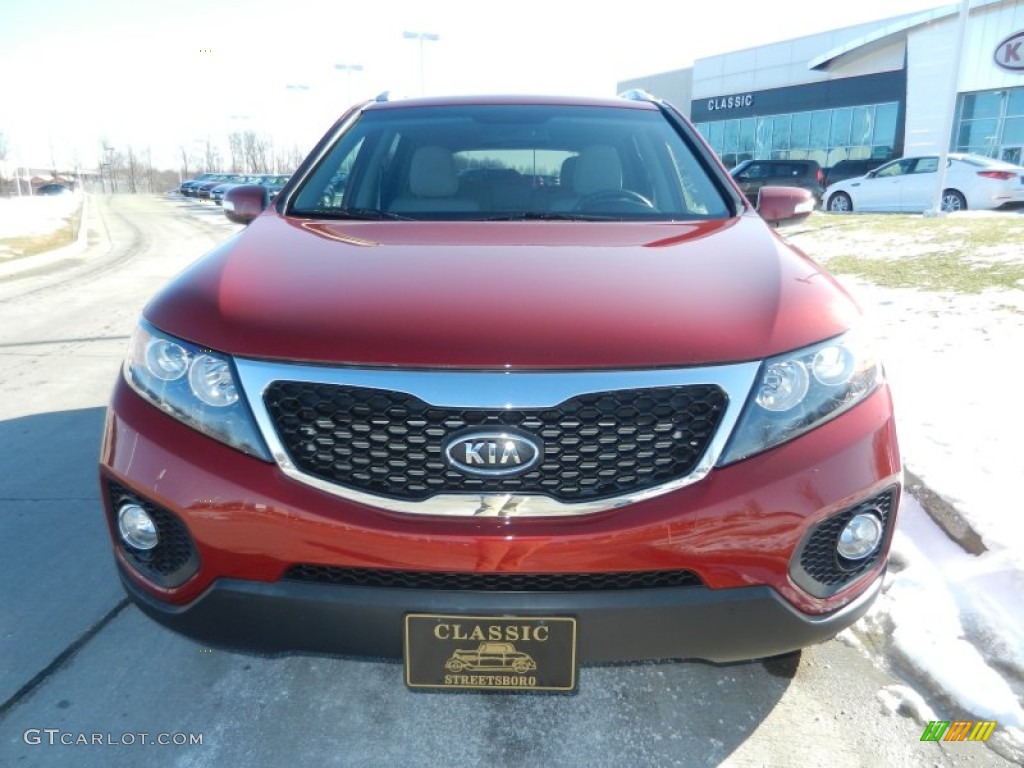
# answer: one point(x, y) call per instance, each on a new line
point(932, 272)
point(30, 245)
point(965, 254)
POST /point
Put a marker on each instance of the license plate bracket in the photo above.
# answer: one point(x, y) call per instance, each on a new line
point(507, 653)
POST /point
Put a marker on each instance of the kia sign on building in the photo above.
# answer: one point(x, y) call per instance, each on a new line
point(1010, 53)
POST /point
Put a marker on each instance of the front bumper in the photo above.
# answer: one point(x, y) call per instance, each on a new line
point(738, 530)
point(629, 625)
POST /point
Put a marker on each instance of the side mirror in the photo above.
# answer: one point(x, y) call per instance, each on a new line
point(243, 204)
point(782, 204)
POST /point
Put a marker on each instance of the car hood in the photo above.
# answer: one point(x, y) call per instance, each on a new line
point(504, 294)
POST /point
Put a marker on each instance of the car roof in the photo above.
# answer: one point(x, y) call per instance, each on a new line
point(513, 100)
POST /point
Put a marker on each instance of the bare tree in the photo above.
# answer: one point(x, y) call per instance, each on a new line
point(164, 179)
point(289, 158)
point(3, 157)
point(212, 156)
point(116, 169)
point(106, 164)
point(257, 151)
point(133, 169)
point(236, 146)
point(148, 163)
point(184, 161)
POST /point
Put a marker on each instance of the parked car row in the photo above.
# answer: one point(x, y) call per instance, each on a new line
point(212, 186)
point(905, 184)
point(751, 175)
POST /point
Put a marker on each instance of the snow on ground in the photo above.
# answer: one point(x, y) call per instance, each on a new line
point(952, 620)
point(35, 215)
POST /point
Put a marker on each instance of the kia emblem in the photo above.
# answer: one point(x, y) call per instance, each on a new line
point(494, 454)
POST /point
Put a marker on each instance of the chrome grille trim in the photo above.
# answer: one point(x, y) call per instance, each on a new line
point(495, 389)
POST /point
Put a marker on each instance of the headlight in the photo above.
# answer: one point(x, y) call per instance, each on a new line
point(194, 385)
point(798, 391)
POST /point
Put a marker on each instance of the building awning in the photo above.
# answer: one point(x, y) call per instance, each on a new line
point(887, 33)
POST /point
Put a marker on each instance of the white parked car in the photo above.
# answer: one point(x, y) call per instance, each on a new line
point(908, 184)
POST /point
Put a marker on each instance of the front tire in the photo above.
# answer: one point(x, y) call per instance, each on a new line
point(952, 201)
point(840, 202)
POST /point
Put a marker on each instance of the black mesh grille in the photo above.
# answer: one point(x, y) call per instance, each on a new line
point(596, 445)
point(492, 582)
point(821, 570)
point(174, 560)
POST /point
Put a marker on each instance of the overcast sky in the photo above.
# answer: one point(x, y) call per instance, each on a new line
point(160, 73)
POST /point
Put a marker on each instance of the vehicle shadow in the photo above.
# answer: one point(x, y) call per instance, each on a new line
point(58, 577)
point(51, 456)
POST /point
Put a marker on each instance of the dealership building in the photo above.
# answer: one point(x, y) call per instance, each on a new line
point(875, 90)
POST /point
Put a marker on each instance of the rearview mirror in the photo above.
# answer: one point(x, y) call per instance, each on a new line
point(243, 204)
point(782, 204)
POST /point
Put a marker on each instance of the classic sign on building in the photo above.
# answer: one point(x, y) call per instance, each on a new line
point(731, 102)
point(1009, 54)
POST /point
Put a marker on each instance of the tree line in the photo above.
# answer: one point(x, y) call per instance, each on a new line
point(130, 169)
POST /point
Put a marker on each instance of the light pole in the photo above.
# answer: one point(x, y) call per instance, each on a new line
point(349, 68)
point(946, 136)
point(110, 167)
point(422, 37)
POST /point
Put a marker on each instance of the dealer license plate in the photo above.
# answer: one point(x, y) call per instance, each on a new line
point(490, 652)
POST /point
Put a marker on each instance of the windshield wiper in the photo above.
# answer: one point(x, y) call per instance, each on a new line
point(544, 216)
point(360, 214)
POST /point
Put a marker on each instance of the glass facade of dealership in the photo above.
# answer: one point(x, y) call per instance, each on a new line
point(991, 123)
point(825, 135)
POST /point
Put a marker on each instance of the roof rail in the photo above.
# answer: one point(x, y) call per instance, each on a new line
point(637, 94)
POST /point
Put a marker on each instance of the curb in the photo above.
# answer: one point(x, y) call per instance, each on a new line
point(19, 265)
point(945, 515)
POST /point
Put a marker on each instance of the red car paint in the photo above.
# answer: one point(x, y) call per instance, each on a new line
point(494, 295)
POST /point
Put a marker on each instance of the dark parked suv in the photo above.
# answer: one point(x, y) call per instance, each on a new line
point(617, 417)
point(752, 175)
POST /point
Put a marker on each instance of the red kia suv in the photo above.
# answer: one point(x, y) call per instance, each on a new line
point(586, 402)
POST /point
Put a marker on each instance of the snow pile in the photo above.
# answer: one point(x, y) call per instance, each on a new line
point(952, 620)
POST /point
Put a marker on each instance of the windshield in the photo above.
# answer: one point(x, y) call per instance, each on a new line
point(501, 162)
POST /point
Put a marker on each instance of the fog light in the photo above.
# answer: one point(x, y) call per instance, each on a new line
point(860, 537)
point(136, 527)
